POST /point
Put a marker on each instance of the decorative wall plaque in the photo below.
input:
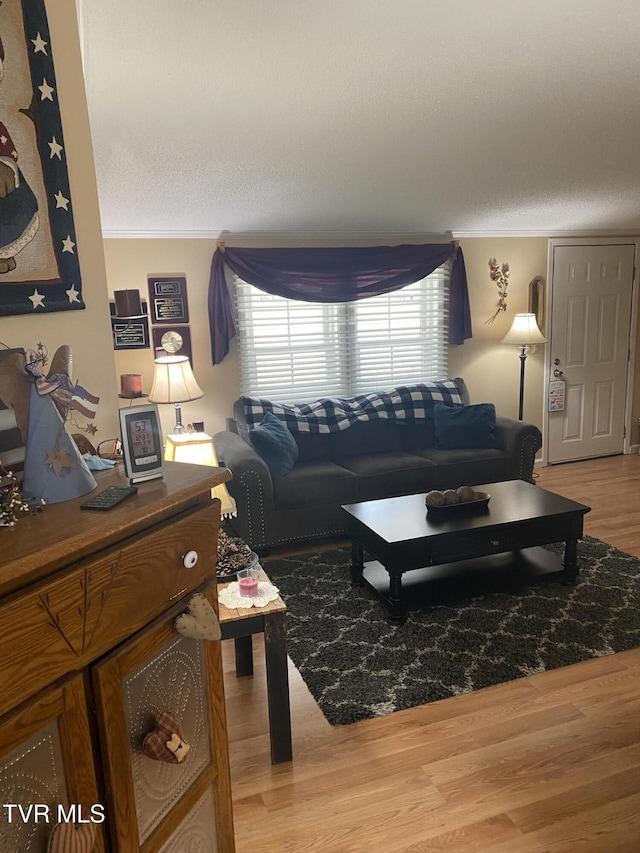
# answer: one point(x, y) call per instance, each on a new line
point(168, 300)
point(172, 340)
point(130, 332)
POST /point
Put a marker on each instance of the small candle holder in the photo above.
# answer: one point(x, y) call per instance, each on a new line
point(131, 385)
point(248, 581)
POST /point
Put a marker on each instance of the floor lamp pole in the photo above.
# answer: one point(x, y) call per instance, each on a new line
point(523, 358)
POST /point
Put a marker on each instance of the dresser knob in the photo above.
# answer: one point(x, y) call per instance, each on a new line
point(495, 542)
point(190, 559)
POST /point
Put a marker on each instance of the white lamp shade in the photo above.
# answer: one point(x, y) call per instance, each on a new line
point(173, 381)
point(524, 331)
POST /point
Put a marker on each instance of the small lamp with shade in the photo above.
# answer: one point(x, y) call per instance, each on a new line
point(174, 382)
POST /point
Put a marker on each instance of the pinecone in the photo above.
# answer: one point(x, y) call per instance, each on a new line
point(233, 554)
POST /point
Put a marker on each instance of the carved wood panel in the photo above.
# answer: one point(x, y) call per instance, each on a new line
point(65, 623)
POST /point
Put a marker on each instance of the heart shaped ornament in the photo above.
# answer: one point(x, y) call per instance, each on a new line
point(72, 838)
point(200, 621)
point(165, 742)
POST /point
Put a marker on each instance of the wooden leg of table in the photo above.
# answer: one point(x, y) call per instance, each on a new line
point(571, 568)
point(275, 650)
point(357, 563)
point(396, 608)
point(244, 656)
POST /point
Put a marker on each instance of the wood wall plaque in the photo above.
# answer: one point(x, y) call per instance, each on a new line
point(168, 300)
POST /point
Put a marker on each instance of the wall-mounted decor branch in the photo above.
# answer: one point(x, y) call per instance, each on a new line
point(499, 274)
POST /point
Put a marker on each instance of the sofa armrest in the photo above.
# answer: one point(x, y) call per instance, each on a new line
point(251, 486)
point(521, 440)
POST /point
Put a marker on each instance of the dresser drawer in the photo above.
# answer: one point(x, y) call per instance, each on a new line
point(61, 624)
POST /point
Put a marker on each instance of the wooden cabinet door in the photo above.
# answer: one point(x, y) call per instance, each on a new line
point(46, 763)
point(154, 805)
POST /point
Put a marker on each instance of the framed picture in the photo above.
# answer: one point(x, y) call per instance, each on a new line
point(12, 447)
point(172, 340)
point(141, 442)
point(39, 264)
point(168, 300)
point(536, 299)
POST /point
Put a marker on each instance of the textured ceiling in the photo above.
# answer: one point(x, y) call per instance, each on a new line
point(328, 117)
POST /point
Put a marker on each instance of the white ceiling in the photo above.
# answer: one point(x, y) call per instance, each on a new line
point(363, 117)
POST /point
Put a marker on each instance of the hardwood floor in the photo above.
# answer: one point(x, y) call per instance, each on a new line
point(546, 763)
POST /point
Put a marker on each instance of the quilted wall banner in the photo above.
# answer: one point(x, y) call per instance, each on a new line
point(39, 267)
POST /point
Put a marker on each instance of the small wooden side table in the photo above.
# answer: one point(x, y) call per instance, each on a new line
point(240, 624)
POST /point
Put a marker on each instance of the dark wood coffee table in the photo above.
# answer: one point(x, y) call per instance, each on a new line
point(506, 535)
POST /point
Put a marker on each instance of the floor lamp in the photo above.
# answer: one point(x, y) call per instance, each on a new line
point(524, 332)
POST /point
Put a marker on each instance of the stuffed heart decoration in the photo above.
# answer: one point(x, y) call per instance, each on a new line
point(72, 838)
point(165, 743)
point(200, 621)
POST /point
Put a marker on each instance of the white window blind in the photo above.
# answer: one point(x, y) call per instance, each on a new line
point(294, 351)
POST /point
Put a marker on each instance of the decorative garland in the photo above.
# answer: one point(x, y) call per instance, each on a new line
point(11, 501)
point(499, 274)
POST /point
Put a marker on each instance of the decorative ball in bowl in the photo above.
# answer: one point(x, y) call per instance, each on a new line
point(455, 500)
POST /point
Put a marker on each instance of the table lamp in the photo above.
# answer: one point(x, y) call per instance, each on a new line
point(174, 382)
point(524, 332)
point(198, 449)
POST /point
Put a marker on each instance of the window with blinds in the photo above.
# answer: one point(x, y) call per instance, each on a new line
point(294, 351)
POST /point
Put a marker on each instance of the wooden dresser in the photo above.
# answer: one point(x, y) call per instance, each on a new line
point(90, 660)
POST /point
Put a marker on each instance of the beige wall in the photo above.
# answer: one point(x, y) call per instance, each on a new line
point(129, 263)
point(490, 368)
point(88, 332)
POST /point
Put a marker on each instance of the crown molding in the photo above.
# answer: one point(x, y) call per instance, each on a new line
point(160, 235)
point(229, 236)
point(396, 236)
point(550, 233)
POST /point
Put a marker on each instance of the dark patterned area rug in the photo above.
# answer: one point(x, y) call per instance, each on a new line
point(358, 665)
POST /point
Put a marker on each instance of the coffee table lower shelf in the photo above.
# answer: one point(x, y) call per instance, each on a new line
point(434, 585)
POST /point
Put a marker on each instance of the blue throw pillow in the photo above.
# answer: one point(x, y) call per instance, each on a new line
point(273, 441)
point(460, 427)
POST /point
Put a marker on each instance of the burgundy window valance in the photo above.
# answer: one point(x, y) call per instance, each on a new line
point(333, 275)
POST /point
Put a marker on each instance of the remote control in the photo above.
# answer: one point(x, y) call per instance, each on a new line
point(109, 497)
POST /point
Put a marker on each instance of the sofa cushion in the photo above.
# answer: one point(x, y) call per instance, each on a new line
point(315, 483)
point(273, 441)
point(312, 446)
point(393, 473)
point(470, 467)
point(459, 427)
point(417, 436)
point(371, 436)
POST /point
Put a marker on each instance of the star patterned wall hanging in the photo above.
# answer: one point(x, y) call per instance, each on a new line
point(39, 265)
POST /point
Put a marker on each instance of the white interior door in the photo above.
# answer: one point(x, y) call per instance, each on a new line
point(589, 343)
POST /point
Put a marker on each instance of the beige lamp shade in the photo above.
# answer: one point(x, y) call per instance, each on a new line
point(173, 381)
point(198, 449)
point(524, 331)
